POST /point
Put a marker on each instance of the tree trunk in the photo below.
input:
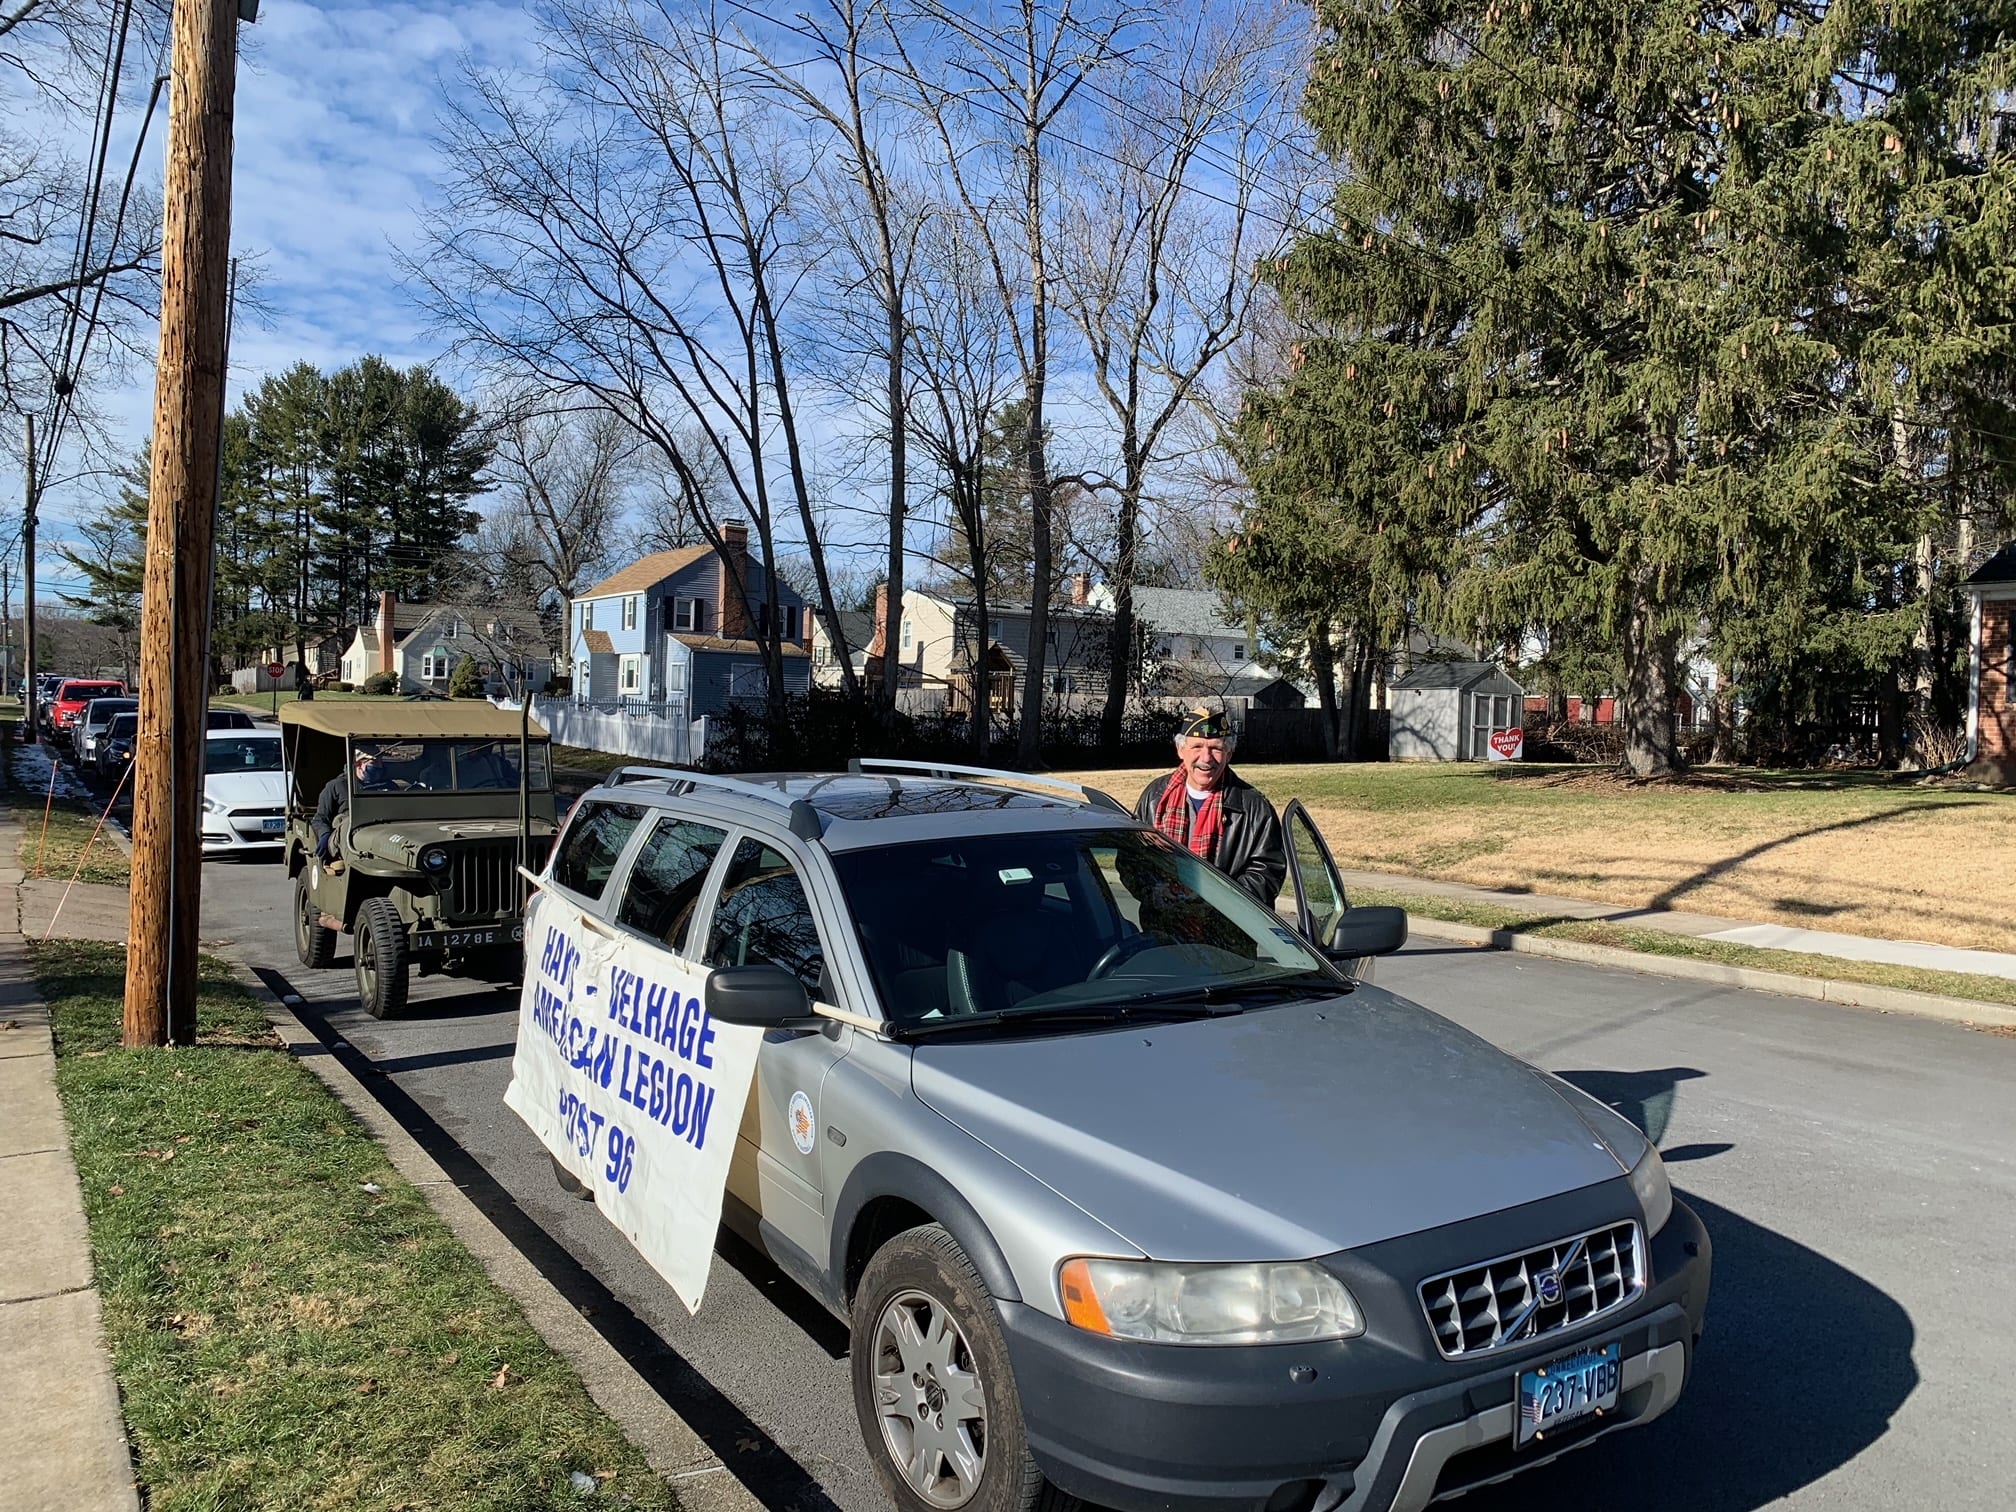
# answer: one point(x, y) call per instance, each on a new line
point(1650, 682)
point(1120, 680)
point(898, 499)
point(1724, 714)
point(1323, 668)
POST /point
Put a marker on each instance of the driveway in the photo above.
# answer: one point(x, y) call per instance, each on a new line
point(1857, 1172)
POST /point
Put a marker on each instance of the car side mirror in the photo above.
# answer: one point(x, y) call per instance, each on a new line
point(1367, 931)
point(760, 997)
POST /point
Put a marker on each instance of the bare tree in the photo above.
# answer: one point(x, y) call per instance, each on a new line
point(1157, 250)
point(874, 227)
point(963, 373)
point(995, 100)
point(623, 226)
point(563, 475)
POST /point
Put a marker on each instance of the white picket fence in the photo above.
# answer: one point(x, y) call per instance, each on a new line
point(647, 734)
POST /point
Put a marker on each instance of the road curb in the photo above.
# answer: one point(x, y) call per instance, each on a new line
point(668, 1443)
point(1930, 1005)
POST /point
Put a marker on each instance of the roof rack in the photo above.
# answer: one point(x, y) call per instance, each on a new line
point(951, 772)
point(806, 822)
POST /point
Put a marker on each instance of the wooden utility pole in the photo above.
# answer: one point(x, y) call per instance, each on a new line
point(181, 525)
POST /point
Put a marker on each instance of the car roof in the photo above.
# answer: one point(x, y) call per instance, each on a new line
point(397, 719)
point(264, 732)
point(854, 810)
point(92, 682)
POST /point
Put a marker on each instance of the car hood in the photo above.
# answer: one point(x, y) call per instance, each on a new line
point(246, 789)
point(1280, 1133)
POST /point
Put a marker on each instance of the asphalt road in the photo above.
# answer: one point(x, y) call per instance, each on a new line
point(1857, 1172)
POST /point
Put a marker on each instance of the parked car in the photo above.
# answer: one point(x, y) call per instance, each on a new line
point(115, 751)
point(90, 726)
point(244, 792)
point(72, 695)
point(1122, 1186)
point(46, 684)
point(431, 843)
point(229, 719)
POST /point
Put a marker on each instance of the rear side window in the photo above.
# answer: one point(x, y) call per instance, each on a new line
point(667, 878)
point(594, 840)
point(763, 918)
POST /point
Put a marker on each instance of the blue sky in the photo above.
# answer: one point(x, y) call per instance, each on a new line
point(335, 115)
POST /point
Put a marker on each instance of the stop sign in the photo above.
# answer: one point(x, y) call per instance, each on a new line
point(276, 669)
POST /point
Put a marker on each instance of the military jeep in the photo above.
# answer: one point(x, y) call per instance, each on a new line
point(425, 867)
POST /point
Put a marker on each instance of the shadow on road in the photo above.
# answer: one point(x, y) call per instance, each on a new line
point(1801, 1368)
point(1644, 1097)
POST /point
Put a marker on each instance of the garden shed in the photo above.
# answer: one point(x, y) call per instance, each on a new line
point(1449, 710)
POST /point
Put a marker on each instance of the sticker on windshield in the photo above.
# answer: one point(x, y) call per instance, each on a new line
point(1285, 934)
point(802, 1129)
point(1016, 874)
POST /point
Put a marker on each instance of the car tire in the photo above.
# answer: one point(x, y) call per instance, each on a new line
point(951, 1356)
point(314, 944)
point(381, 959)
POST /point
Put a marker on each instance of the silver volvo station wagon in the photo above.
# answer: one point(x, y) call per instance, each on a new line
point(1130, 1190)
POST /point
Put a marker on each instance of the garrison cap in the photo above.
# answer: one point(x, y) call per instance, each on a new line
point(1203, 724)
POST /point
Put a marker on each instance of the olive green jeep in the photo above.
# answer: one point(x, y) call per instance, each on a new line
point(423, 862)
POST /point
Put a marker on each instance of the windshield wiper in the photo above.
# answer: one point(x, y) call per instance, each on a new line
point(1134, 1011)
point(1295, 984)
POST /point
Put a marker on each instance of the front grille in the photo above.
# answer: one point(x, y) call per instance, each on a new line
point(482, 879)
point(1509, 1301)
point(258, 813)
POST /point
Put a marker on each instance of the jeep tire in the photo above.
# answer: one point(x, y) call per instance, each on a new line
point(315, 945)
point(381, 959)
point(933, 1390)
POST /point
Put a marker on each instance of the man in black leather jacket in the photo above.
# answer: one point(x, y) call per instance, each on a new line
point(1215, 814)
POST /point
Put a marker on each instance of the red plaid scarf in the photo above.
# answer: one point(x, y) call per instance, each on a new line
point(1172, 817)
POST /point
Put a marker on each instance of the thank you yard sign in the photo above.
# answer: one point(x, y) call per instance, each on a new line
point(631, 1084)
point(1507, 745)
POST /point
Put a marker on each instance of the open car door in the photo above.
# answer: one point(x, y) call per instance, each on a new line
point(1323, 913)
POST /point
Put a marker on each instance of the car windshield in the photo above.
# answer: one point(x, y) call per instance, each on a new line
point(122, 726)
point(84, 692)
point(104, 710)
point(1006, 925)
point(439, 766)
point(224, 754)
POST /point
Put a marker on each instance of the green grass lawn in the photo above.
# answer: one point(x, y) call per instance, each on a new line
point(1849, 851)
point(290, 1323)
point(53, 838)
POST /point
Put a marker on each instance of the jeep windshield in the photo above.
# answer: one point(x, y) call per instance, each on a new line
point(448, 766)
point(1054, 928)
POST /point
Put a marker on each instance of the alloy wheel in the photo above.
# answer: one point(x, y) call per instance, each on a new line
point(930, 1399)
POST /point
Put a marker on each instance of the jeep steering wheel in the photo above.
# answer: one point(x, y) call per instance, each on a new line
point(1124, 948)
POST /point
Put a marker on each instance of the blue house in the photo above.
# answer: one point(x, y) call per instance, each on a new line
point(671, 629)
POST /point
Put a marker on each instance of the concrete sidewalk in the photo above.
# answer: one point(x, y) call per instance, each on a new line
point(1821, 942)
point(63, 1448)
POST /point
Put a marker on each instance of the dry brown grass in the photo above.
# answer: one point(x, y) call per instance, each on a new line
point(1847, 852)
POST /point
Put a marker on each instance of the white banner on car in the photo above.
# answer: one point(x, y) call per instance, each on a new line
point(631, 1084)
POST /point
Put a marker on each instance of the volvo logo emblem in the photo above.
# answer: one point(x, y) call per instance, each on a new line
point(1547, 1287)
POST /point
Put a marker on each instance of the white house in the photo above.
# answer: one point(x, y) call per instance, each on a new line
point(422, 644)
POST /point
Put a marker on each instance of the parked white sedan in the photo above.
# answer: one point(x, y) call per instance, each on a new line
point(244, 792)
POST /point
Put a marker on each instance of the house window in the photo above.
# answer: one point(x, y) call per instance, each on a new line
point(994, 630)
point(632, 667)
point(745, 680)
point(1238, 653)
point(686, 615)
point(906, 635)
point(630, 612)
point(588, 615)
point(1060, 684)
point(453, 629)
point(587, 676)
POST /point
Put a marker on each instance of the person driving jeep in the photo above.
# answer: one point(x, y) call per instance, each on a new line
point(335, 802)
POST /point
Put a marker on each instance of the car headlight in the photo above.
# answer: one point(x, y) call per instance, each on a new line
point(434, 860)
point(1654, 1191)
point(212, 806)
point(1261, 1303)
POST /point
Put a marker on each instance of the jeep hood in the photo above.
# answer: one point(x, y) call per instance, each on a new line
point(1279, 1133)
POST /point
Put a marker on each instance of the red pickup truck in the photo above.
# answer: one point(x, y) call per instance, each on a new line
point(75, 692)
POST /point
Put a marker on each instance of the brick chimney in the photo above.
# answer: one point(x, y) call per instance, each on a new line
point(805, 638)
point(729, 613)
point(878, 642)
point(1081, 589)
point(385, 624)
